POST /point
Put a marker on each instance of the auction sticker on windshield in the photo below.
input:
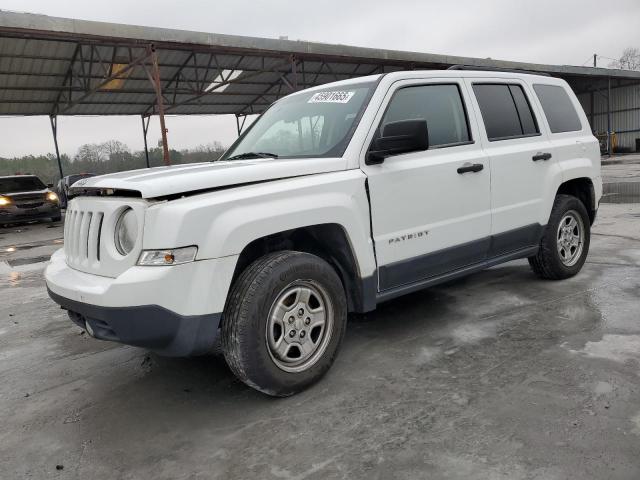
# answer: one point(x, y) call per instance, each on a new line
point(331, 97)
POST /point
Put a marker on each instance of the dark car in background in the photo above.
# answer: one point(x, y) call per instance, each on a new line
point(24, 198)
point(62, 188)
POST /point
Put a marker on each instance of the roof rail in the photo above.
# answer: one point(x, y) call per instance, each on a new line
point(495, 69)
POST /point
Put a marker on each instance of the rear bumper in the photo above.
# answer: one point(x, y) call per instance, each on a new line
point(148, 326)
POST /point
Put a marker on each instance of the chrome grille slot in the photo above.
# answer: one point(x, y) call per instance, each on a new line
point(89, 232)
point(75, 235)
point(66, 231)
point(82, 237)
point(69, 233)
point(93, 236)
point(99, 235)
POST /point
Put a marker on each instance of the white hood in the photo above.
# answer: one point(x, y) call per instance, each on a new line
point(162, 181)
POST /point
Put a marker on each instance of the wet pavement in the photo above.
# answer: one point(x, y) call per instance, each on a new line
point(27, 244)
point(497, 376)
point(621, 179)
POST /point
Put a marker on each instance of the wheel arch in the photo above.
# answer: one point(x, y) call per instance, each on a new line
point(329, 241)
point(583, 189)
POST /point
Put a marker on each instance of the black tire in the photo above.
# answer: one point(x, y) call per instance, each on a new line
point(56, 219)
point(547, 263)
point(246, 316)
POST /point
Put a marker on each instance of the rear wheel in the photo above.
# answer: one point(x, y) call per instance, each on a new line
point(565, 242)
point(284, 322)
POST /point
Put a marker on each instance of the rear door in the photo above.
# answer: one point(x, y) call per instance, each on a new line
point(428, 218)
point(522, 161)
point(570, 135)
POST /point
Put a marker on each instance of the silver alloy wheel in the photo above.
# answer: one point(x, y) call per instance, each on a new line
point(299, 326)
point(570, 238)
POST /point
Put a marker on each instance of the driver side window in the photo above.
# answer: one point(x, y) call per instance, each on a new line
point(440, 105)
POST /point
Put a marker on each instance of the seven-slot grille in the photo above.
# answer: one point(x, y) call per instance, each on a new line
point(82, 230)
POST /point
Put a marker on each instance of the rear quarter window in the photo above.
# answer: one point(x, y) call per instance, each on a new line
point(558, 108)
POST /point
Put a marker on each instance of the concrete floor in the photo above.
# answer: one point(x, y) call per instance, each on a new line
point(498, 376)
point(621, 179)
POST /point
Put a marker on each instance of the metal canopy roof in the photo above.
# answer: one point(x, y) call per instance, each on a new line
point(57, 66)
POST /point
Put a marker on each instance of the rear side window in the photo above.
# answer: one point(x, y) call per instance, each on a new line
point(440, 105)
point(527, 121)
point(506, 112)
point(558, 108)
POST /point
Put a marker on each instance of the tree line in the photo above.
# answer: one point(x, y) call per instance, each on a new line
point(101, 158)
point(629, 60)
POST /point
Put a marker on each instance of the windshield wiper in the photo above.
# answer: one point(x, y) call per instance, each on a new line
point(241, 156)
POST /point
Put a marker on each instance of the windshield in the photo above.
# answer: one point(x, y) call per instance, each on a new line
point(20, 184)
point(310, 124)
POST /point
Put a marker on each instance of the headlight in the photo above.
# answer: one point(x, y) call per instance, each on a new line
point(4, 201)
point(52, 197)
point(126, 232)
point(174, 256)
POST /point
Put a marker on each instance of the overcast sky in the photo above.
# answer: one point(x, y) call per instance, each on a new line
point(545, 31)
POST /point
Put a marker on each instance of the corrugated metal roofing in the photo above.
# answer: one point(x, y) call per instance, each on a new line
point(625, 114)
point(54, 66)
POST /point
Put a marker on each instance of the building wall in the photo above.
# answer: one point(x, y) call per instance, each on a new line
point(625, 114)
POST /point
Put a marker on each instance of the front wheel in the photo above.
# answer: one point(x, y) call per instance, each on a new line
point(284, 322)
point(565, 242)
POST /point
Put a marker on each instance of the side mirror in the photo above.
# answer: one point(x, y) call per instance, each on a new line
point(399, 137)
point(49, 185)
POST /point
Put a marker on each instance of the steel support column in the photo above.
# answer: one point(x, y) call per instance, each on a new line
point(145, 129)
point(294, 73)
point(609, 146)
point(155, 80)
point(54, 130)
point(240, 125)
point(592, 113)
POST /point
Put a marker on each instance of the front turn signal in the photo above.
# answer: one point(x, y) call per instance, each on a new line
point(174, 256)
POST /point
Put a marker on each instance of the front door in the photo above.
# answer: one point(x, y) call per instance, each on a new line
point(430, 209)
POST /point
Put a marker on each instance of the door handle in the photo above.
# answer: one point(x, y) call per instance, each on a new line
point(541, 156)
point(470, 167)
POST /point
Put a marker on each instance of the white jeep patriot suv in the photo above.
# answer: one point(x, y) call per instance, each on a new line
point(336, 199)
